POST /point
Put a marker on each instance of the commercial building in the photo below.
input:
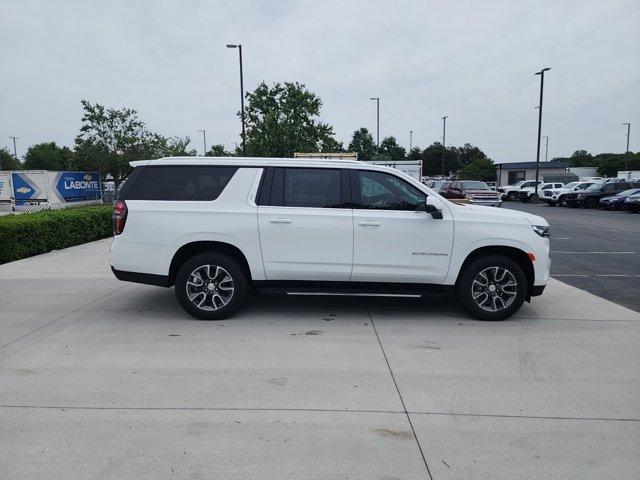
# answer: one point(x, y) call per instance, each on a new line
point(510, 173)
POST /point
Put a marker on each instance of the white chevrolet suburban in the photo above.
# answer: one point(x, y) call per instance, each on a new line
point(218, 227)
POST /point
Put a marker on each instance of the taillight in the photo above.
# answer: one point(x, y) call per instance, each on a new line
point(119, 216)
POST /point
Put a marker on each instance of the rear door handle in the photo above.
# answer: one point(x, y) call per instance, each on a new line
point(280, 220)
point(368, 223)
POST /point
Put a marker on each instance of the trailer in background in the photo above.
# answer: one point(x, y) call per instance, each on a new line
point(413, 168)
point(33, 190)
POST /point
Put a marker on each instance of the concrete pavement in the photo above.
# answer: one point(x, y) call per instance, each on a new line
point(103, 379)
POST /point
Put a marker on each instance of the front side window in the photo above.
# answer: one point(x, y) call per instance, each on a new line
point(306, 187)
point(181, 182)
point(383, 191)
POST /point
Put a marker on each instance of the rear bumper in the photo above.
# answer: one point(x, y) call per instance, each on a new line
point(146, 278)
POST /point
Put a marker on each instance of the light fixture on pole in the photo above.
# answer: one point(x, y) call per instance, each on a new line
point(377, 99)
point(204, 141)
point(444, 139)
point(239, 47)
point(535, 198)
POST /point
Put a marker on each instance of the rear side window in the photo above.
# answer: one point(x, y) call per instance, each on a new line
point(305, 187)
point(181, 182)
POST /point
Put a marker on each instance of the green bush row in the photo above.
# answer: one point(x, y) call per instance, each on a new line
point(29, 234)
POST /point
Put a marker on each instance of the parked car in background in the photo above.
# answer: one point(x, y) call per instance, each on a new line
point(556, 196)
point(436, 184)
point(616, 202)
point(525, 194)
point(472, 191)
point(510, 192)
point(632, 203)
point(590, 197)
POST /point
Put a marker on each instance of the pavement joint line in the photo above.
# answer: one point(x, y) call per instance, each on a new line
point(530, 417)
point(594, 252)
point(321, 410)
point(415, 436)
point(51, 322)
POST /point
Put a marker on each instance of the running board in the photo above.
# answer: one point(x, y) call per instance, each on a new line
point(355, 294)
point(351, 289)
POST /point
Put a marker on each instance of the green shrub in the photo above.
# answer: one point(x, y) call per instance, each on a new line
point(29, 234)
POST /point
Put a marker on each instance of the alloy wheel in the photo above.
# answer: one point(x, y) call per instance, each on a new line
point(210, 287)
point(494, 289)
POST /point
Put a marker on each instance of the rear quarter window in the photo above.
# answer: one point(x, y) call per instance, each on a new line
point(181, 182)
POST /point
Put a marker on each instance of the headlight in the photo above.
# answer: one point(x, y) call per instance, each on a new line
point(581, 195)
point(542, 230)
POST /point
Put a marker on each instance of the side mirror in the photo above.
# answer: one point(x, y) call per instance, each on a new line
point(431, 209)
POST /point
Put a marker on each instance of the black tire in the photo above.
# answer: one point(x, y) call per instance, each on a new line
point(562, 202)
point(551, 204)
point(591, 202)
point(512, 197)
point(239, 286)
point(465, 287)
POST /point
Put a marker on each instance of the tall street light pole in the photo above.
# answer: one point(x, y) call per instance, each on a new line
point(546, 148)
point(15, 152)
point(239, 47)
point(204, 141)
point(444, 139)
point(541, 73)
point(410, 141)
point(628, 133)
point(377, 99)
point(626, 158)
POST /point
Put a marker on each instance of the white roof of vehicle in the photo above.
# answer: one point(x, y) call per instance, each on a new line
point(248, 161)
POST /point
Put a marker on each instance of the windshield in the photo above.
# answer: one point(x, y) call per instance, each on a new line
point(594, 187)
point(626, 193)
point(570, 185)
point(475, 186)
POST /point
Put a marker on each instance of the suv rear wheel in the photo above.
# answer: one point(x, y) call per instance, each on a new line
point(492, 288)
point(211, 286)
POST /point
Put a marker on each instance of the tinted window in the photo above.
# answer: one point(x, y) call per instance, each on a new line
point(183, 182)
point(383, 191)
point(307, 187)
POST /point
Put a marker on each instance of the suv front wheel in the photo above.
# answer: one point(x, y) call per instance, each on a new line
point(211, 286)
point(492, 288)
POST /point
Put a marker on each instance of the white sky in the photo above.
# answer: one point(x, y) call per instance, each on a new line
point(473, 61)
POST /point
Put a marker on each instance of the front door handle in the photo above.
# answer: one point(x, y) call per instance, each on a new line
point(369, 223)
point(280, 220)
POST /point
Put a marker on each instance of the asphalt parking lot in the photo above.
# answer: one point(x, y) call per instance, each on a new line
point(595, 250)
point(110, 380)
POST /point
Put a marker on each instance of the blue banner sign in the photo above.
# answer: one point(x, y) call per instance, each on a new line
point(78, 186)
point(25, 188)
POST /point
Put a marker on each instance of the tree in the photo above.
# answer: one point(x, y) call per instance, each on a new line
point(283, 119)
point(389, 149)
point(432, 160)
point(8, 161)
point(414, 154)
point(109, 139)
point(467, 154)
point(219, 151)
point(362, 143)
point(478, 169)
point(48, 156)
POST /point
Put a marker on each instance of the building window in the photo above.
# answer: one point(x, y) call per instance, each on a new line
point(516, 176)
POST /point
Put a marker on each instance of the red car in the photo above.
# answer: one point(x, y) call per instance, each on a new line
point(476, 192)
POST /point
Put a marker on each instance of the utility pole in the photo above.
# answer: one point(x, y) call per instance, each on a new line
point(541, 73)
point(546, 148)
point(444, 139)
point(377, 99)
point(204, 139)
point(626, 158)
point(15, 152)
point(410, 141)
point(239, 47)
